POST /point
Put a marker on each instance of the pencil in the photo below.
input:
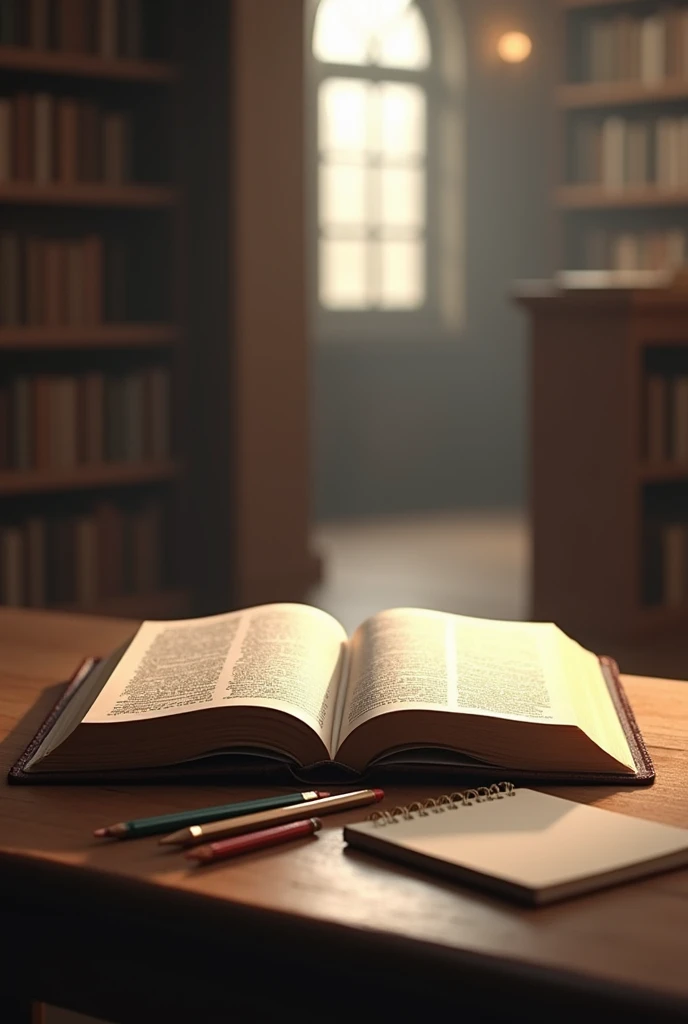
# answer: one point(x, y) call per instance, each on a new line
point(265, 819)
point(210, 852)
point(183, 819)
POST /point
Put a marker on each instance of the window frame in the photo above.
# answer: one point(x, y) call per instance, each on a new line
point(441, 95)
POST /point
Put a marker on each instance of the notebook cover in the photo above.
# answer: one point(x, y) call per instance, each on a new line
point(532, 847)
point(330, 772)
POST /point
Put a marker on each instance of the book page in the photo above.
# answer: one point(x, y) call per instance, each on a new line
point(411, 659)
point(594, 708)
point(283, 656)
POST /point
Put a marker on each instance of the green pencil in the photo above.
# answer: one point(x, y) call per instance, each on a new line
point(184, 819)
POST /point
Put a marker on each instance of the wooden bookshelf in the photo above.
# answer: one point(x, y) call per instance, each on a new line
point(588, 95)
point(116, 474)
point(573, 5)
point(596, 197)
point(115, 335)
point(663, 472)
point(82, 65)
point(200, 237)
point(597, 499)
point(25, 193)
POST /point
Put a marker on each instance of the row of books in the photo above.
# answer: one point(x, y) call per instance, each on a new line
point(109, 28)
point(666, 572)
point(58, 421)
point(45, 138)
point(618, 152)
point(604, 249)
point(76, 281)
point(666, 417)
point(85, 557)
point(626, 47)
point(50, 281)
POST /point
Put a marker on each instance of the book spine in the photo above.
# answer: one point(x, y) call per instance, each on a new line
point(67, 141)
point(657, 417)
point(131, 35)
point(12, 566)
point(613, 148)
point(159, 399)
point(109, 520)
point(43, 421)
point(35, 274)
point(94, 417)
point(39, 24)
point(9, 279)
point(21, 423)
point(36, 562)
point(106, 28)
point(43, 143)
point(54, 287)
point(6, 133)
point(75, 284)
point(86, 557)
point(92, 262)
point(23, 148)
point(679, 446)
point(674, 560)
point(5, 428)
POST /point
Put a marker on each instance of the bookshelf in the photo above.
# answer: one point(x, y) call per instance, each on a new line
point(609, 386)
point(609, 462)
point(84, 65)
point(143, 449)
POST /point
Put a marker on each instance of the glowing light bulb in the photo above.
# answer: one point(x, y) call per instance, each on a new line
point(514, 47)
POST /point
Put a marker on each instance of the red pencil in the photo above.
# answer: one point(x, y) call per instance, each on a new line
point(224, 848)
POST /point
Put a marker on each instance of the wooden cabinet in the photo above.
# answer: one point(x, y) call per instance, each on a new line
point(603, 496)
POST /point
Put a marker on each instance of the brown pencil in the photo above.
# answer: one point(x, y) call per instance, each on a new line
point(265, 819)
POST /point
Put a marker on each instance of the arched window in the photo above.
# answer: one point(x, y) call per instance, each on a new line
point(387, 124)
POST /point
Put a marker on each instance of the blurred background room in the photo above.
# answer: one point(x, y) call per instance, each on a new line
point(280, 320)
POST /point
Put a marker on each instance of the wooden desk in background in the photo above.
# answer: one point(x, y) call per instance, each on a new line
point(128, 933)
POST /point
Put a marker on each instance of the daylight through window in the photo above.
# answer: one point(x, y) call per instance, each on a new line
point(372, 123)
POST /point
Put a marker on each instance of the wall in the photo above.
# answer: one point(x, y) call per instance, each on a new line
point(401, 426)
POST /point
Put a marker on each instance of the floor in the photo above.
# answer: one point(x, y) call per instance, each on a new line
point(473, 563)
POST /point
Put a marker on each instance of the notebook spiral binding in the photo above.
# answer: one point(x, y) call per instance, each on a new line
point(448, 802)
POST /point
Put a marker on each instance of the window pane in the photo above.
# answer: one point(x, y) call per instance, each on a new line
point(402, 277)
point(358, 31)
point(337, 36)
point(402, 197)
point(342, 115)
point(405, 44)
point(402, 119)
point(342, 195)
point(343, 275)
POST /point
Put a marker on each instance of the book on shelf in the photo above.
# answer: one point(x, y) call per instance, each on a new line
point(56, 421)
point(107, 28)
point(282, 687)
point(56, 139)
point(648, 47)
point(624, 152)
point(666, 560)
point(666, 418)
point(80, 557)
point(56, 281)
point(646, 250)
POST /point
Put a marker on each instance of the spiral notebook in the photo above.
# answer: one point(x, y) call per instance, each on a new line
point(521, 844)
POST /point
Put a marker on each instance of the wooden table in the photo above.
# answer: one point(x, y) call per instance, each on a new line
point(127, 933)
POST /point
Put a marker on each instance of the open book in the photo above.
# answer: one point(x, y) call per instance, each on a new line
point(283, 684)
